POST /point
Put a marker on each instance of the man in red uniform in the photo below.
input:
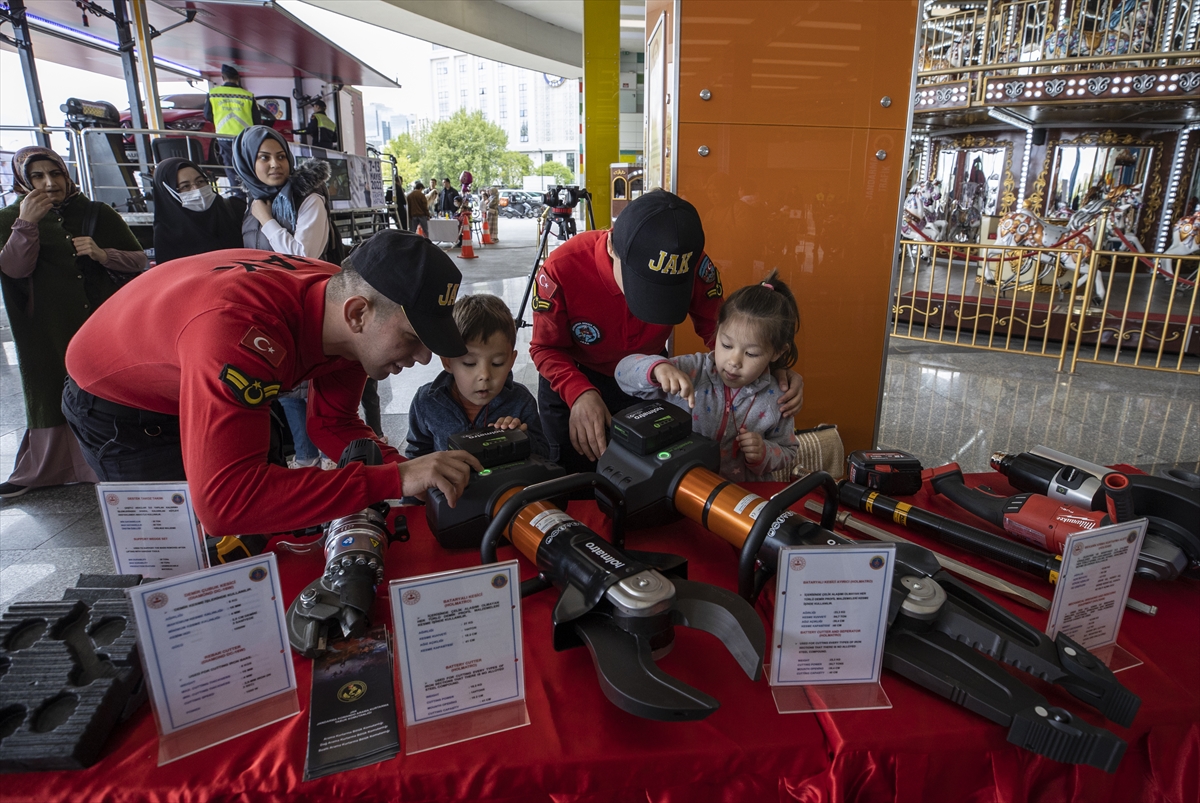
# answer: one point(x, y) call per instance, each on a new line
point(175, 379)
point(603, 295)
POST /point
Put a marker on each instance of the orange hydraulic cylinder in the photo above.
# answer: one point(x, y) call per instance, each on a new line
point(522, 533)
point(730, 514)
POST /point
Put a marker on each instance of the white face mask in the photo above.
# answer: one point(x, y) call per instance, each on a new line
point(197, 200)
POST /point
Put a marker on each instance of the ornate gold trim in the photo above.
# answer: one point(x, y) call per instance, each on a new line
point(1036, 200)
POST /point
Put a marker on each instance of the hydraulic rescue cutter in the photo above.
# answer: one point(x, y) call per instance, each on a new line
point(338, 603)
point(940, 629)
point(622, 605)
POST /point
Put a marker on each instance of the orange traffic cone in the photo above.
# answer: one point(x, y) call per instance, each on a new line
point(467, 251)
point(421, 230)
point(487, 232)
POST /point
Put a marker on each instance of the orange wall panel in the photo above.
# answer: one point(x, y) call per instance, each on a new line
point(791, 180)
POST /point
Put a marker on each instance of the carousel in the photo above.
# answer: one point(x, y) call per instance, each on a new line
point(1053, 192)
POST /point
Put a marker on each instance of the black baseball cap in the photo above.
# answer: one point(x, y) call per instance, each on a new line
point(421, 278)
point(659, 240)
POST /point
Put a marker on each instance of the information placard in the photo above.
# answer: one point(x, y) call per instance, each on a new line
point(151, 528)
point(831, 610)
point(1093, 584)
point(459, 653)
point(215, 649)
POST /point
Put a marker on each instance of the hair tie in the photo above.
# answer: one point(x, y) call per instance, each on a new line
point(768, 286)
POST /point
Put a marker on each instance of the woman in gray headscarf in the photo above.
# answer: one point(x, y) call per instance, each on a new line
point(58, 248)
point(287, 211)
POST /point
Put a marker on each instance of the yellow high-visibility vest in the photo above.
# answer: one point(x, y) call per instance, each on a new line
point(323, 121)
point(232, 109)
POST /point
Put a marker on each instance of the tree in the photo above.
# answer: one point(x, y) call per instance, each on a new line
point(408, 150)
point(466, 141)
point(559, 172)
point(514, 165)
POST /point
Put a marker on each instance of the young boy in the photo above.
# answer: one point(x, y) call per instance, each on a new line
point(475, 390)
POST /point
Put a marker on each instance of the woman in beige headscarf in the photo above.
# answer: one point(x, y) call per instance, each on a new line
point(58, 248)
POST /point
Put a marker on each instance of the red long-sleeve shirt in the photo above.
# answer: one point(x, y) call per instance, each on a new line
point(580, 315)
point(213, 338)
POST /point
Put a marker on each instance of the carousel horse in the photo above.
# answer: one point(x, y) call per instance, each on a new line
point(1025, 229)
point(1185, 241)
point(966, 214)
point(919, 210)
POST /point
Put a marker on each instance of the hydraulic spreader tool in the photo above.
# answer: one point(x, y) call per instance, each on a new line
point(1171, 507)
point(338, 603)
point(939, 628)
point(623, 605)
point(1046, 522)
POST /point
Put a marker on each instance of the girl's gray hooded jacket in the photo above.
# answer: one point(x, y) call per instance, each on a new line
point(755, 407)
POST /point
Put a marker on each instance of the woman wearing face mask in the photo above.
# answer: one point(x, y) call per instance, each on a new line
point(58, 249)
point(287, 209)
point(189, 218)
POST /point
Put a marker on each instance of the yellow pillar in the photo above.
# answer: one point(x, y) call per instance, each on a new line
point(601, 109)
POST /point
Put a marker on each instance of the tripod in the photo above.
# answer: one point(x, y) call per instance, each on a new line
point(561, 219)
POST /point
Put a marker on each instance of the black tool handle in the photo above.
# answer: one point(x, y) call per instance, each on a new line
point(778, 503)
point(1018, 556)
point(948, 481)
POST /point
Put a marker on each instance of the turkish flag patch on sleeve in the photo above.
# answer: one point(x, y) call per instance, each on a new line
point(264, 345)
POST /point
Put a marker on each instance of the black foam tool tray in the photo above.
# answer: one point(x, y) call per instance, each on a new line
point(69, 673)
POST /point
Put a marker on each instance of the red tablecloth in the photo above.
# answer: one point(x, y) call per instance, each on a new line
point(581, 748)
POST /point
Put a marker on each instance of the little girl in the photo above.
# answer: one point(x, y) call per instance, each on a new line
point(733, 396)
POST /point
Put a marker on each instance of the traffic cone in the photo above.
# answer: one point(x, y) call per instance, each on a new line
point(421, 231)
point(487, 232)
point(467, 251)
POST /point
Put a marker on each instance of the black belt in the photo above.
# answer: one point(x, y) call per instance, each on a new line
point(120, 411)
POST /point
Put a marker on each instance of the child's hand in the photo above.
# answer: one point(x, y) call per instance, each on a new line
point(752, 446)
point(509, 422)
point(675, 382)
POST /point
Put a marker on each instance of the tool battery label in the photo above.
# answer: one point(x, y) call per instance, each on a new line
point(549, 519)
point(745, 502)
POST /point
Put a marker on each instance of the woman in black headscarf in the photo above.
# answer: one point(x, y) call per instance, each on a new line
point(287, 211)
point(57, 249)
point(189, 217)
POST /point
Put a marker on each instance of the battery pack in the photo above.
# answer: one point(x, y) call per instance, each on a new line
point(892, 473)
point(646, 428)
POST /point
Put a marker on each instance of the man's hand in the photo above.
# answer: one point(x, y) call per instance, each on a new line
point(86, 247)
point(446, 471)
point(261, 211)
point(589, 417)
point(674, 382)
point(751, 444)
point(792, 385)
point(35, 206)
point(509, 422)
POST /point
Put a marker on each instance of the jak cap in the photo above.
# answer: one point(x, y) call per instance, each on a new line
point(659, 240)
point(417, 275)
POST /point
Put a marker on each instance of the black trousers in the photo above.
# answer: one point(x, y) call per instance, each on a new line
point(556, 418)
point(125, 444)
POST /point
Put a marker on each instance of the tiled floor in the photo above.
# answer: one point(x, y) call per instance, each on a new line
point(942, 403)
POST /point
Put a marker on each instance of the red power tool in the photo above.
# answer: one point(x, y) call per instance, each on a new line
point(1036, 519)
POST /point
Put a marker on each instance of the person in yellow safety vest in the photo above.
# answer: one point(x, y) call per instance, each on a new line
point(231, 109)
point(321, 131)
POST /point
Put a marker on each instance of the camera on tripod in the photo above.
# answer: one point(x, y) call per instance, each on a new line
point(563, 199)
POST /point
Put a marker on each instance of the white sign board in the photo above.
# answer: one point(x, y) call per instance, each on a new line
point(1093, 584)
point(151, 528)
point(831, 611)
point(458, 641)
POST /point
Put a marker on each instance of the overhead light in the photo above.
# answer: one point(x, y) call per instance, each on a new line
point(100, 43)
point(633, 24)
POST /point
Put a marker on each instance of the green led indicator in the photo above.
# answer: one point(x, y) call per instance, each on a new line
point(663, 455)
point(485, 472)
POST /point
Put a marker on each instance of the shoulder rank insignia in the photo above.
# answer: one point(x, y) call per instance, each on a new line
point(248, 390)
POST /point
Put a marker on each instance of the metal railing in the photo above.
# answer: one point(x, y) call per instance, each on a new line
point(1147, 317)
point(66, 149)
point(1112, 307)
point(984, 296)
